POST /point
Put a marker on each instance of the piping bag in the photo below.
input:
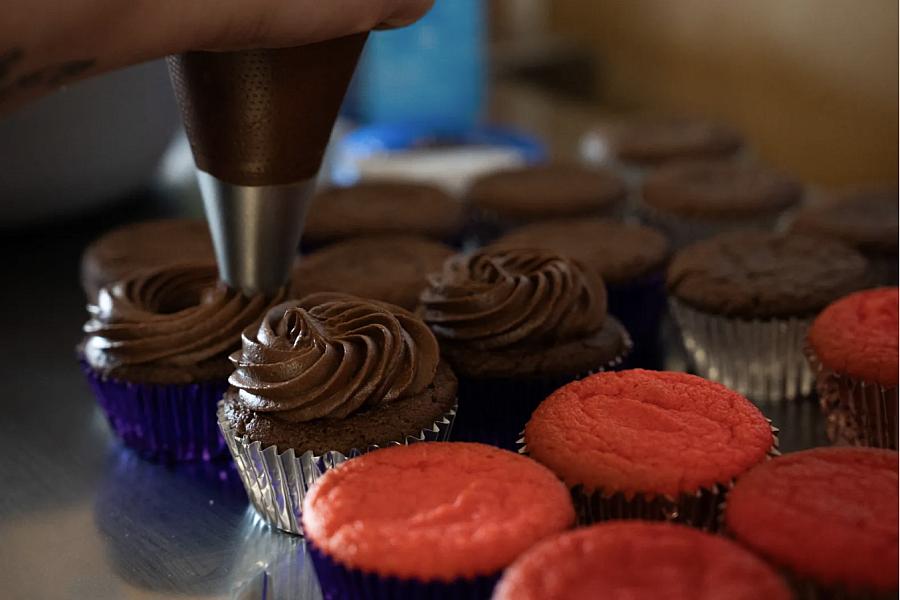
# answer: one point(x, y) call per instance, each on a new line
point(258, 122)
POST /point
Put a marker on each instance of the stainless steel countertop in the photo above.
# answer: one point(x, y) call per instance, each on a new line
point(83, 518)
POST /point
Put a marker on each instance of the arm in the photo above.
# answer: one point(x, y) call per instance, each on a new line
point(46, 44)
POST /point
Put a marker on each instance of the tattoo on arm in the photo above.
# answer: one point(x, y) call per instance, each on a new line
point(47, 78)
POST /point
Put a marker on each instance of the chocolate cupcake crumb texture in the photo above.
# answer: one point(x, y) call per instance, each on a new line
point(759, 275)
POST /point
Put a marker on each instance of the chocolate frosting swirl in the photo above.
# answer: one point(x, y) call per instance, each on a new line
point(501, 297)
point(331, 354)
point(171, 316)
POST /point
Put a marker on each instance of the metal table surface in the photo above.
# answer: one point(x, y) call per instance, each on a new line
point(81, 517)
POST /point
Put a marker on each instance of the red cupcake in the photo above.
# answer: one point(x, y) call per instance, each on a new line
point(853, 349)
point(429, 520)
point(648, 444)
point(639, 561)
point(827, 517)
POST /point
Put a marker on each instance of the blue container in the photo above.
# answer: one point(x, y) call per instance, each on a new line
point(431, 74)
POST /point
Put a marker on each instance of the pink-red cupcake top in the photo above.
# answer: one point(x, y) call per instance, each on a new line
point(858, 334)
point(435, 511)
point(639, 561)
point(647, 432)
point(828, 514)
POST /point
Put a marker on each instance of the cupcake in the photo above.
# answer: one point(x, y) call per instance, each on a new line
point(147, 245)
point(826, 517)
point(631, 259)
point(325, 379)
point(744, 301)
point(390, 269)
point(429, 520)
point(515, 324)
point(651, 445)
point(633, 146)
point(852, 348)
point(863, 218)
point(156, 353)
point(692, 201)
point(639, 561)
point(508, 199)
point(383, 208)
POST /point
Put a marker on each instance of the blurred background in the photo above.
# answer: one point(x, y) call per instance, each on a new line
point(811, 83)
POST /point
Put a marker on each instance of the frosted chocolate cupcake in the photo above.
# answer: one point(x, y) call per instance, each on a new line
point(865, 219)
point(147, 245)
point(156, 355)
point(505, 200)
point(390, 269)
point(744, 302)
point(324, 379)
point(631, 259)
point(516, 324)
point(383, 208)
point(692, 201)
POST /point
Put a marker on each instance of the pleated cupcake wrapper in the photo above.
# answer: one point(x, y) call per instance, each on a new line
point(165, 422)
point(885, 270)
point(277, 482)
point(702, 509)
point(640, 305)
point(684, 231)
point(339, 582)
point(859, 413)
point(809, 589)
point(761, 359)
point(495, 410)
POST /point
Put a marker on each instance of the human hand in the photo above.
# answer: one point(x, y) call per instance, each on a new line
point(46, 44)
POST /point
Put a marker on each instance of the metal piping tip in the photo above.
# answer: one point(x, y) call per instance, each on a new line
point(255, 230)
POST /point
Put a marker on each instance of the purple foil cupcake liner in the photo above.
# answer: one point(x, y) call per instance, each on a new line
point(494, 411)
point(760, 359)
point(640, 305)
point(165, 422)
point(277, 482)
point(342, 583)
point(702, 509)
point(859, 413)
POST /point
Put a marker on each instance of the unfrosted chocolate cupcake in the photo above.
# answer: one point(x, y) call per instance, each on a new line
point(383, 208)
point(324, 379)
point(631, 259)
point(156, 354)
point(652, 140)
point(508, 199)
point(744, 302)
point(390, 269)
point(692, 201)
point(516, 324)
point(863, 218)
point(150, 244)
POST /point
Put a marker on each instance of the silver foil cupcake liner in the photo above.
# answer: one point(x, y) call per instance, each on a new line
point(760, 359)
point(858, 413)
point(277, 482)
point(703, 509)
point(683, 231)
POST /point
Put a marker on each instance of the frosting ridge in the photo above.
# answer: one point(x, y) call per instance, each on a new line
point(500, 297)
point(173, 316)
point(330, 354)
